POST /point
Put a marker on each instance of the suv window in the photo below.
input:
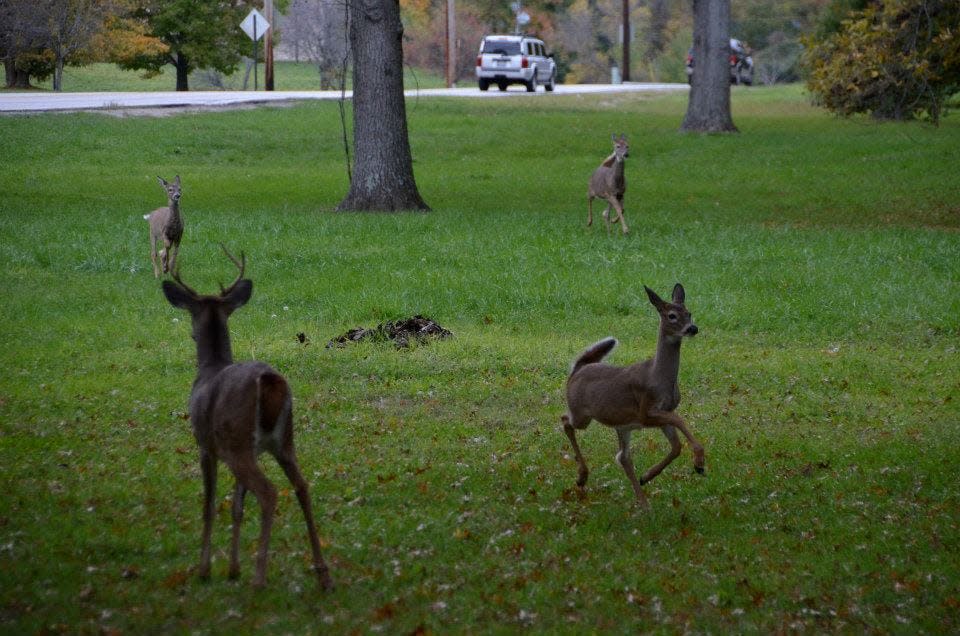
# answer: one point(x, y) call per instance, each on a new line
point(500, 47)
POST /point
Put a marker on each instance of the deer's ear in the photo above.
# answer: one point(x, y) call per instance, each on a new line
point(176, 180)
point(239, 295)
point(655, 300)
point(176, 295)
point(678, 294)
point(162, 181)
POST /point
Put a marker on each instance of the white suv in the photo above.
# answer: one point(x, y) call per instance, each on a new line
point(515, 59)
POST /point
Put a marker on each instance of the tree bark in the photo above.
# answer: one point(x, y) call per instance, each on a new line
point(383, 167)
point(708, 109)
point(183, 72)
point(15, 78)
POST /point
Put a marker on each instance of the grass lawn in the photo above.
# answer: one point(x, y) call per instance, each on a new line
point(821, 260)
point(288, 76)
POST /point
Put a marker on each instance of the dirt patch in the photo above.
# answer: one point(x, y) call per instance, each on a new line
point(401, 332)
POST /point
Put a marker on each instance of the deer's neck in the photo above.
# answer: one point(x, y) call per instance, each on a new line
point(213, 351)
point(666, 361)
point(174, 208)
point(618, 170)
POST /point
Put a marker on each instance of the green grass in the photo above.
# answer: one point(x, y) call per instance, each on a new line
point(821, 259)
point(288, 76)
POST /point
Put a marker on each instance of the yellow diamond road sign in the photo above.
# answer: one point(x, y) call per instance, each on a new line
point(254, 25)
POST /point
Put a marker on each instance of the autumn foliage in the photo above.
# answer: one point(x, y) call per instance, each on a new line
point(899, 59)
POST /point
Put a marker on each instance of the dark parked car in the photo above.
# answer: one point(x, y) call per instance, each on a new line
point(741, 63)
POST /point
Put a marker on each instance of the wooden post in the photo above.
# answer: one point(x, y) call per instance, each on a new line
point(450, 57)
point(268, 45)
point(625, 75)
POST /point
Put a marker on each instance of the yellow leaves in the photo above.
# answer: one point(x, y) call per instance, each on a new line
point(125, 39)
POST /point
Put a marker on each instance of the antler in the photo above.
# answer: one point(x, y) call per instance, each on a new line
point(176, 277)
point(241, 264)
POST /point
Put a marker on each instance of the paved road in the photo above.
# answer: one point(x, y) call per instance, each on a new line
point(36, 101)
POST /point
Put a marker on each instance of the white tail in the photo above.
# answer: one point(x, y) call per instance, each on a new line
point(639, 396)
point(609, 184)
point(166, 226)
point(239, 410)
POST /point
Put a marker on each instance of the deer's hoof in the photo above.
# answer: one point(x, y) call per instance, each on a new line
point(326, 583)
point(700, 470)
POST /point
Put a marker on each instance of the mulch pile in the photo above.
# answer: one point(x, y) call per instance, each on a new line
point(401, 332)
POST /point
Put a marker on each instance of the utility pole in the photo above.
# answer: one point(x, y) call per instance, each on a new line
point(626, 41)
point(450, 57)
point(268, 46)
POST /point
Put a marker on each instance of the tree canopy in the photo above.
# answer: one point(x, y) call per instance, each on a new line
point(196, 33)
point(895, 60)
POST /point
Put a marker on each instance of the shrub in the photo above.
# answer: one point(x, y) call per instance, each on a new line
point(895, 60)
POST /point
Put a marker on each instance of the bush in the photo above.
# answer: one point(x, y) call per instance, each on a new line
point(898, 60)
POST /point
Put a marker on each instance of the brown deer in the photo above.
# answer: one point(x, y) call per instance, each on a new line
point(608, 183)
point(166, 225)
point(239, 410)
point(642, 395)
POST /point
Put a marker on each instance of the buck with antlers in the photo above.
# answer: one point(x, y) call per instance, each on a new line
point(239, 410)
point(609, 184)
point(166, 226)
point(642, 395)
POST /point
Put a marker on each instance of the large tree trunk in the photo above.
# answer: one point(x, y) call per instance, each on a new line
point(383, 168)
point(15, 78)
point(708, 109)
point(183, 72)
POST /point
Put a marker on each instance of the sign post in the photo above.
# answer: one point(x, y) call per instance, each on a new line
point(254, 25)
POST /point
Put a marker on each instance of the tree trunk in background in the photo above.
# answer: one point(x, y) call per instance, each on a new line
point(708, 109)
point(183, 72)
point(383, 167)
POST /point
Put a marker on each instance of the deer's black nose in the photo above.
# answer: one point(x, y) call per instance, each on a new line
point(692, 330)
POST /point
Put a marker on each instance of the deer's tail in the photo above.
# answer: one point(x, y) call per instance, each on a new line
point(595, 353)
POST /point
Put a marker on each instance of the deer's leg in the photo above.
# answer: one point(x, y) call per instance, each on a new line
point(153, 255)
point(626, 462)
point(570, 430)
point(606, 218)
point(173, 259)
point(249, 473)
point(618, 205)
point(589, 211)
point(288, 462)
point(675, 448)
point(165, 256)
point(659, 418)
point(239, 492)
point(208, 466)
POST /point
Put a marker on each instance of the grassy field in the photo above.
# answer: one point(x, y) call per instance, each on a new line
point(288, 76)
point(821, 260)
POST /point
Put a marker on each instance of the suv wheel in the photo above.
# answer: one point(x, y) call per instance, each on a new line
point(484, 83)
point(532, 84)
point(502, 86)
point(551, 83)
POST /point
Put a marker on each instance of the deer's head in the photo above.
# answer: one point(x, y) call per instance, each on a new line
point(172, 189)
point(620, 147)
point(209, 314)
point(675, 321)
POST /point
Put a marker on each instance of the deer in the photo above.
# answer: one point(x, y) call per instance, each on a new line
point(166, 225)
point(608, 183)
point(642, 395)
point(239, 410)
